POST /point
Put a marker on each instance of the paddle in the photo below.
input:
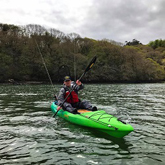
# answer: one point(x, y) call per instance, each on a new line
point(86, 70)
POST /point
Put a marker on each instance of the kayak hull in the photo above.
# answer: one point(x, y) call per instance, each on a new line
point(99, 120)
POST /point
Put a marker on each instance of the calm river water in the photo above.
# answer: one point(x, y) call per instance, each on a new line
point(29, 134)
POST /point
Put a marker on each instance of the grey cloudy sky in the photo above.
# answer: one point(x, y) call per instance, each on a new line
point(119, 20)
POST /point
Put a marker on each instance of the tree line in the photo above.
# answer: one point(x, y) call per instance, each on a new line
point(22, 49)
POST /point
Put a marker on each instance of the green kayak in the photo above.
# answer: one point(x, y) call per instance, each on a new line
point(99, 120)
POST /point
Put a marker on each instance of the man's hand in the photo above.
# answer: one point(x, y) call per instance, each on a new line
point(78, 82)
point(58, 108)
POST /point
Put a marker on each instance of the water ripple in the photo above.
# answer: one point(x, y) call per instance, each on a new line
point(29, 134)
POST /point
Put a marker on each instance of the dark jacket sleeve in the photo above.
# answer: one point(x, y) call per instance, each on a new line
point(77, 87)
point(61, 96)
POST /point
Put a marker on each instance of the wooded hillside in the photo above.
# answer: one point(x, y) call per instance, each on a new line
point(130, 62)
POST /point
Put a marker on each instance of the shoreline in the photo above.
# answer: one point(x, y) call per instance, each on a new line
point(93, 82)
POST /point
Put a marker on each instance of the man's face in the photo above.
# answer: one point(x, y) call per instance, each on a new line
point(67, 83)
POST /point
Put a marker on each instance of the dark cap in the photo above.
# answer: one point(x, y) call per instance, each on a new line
point(67, 78)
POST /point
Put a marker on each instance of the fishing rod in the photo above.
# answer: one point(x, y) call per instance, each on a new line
point(44, 65)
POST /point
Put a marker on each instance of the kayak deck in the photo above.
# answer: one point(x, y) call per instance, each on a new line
point(99, 120)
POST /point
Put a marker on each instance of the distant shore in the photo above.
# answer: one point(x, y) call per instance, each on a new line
point(86, 82)
point(23, 83)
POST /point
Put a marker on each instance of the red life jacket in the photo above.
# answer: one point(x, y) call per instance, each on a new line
point(73, 98)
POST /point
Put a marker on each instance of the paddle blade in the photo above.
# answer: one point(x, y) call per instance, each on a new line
point(91, 64)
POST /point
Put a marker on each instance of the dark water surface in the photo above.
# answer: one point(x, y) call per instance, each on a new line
point(29, 134)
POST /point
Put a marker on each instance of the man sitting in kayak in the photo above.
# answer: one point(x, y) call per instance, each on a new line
point(72, 103)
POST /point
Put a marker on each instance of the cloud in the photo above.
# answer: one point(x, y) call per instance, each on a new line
point(121, 20)
point(125, 20)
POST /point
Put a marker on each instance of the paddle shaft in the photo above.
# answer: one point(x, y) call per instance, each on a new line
point(86, 70)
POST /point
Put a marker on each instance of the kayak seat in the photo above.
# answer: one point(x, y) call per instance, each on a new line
point(83, 111)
